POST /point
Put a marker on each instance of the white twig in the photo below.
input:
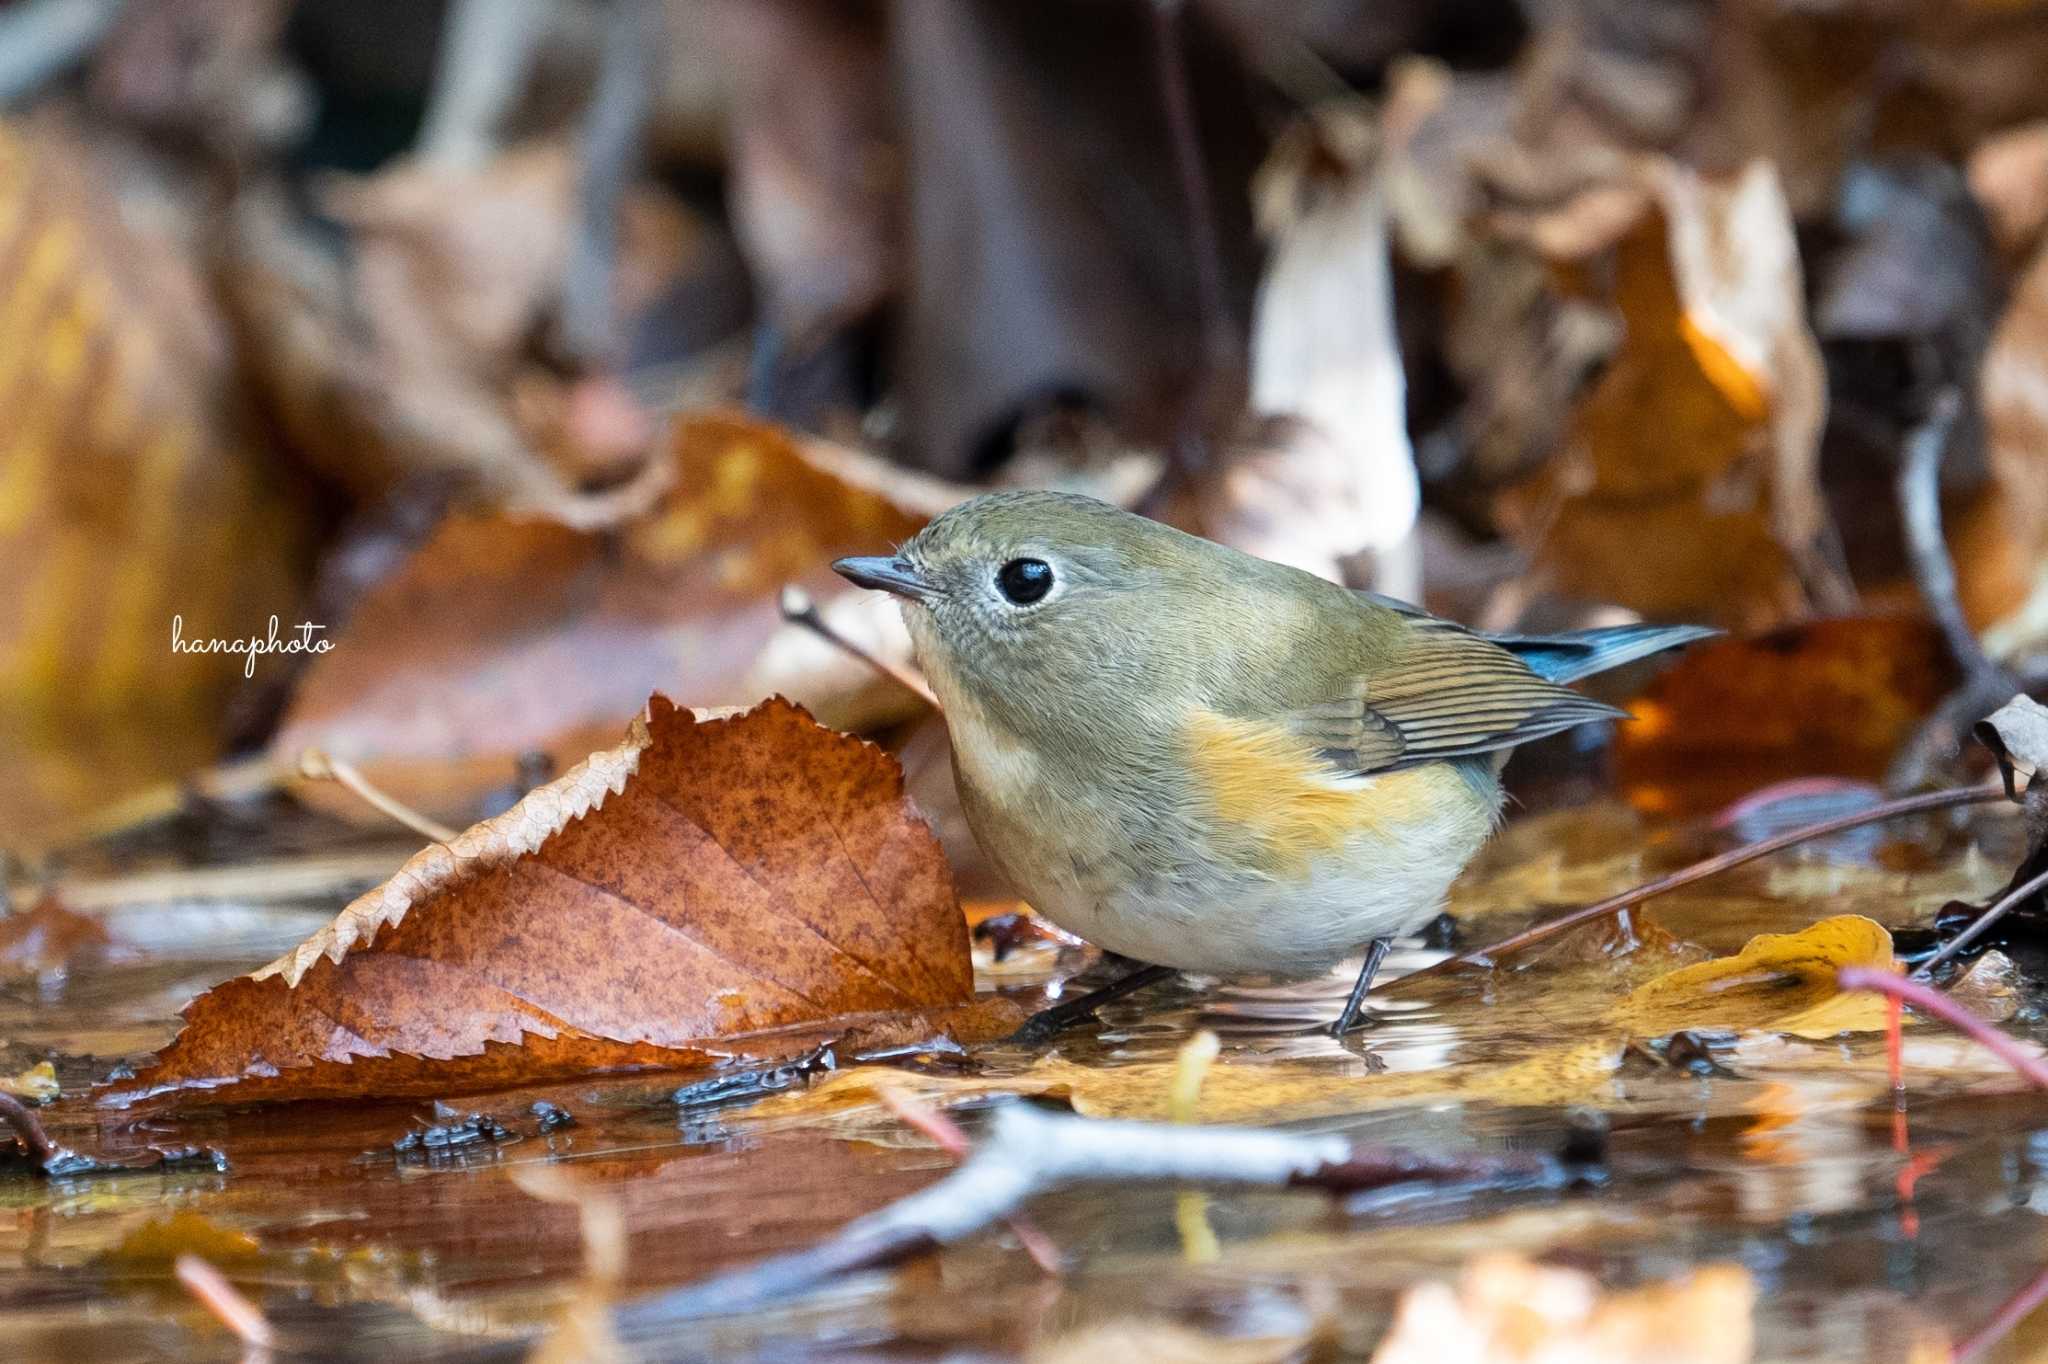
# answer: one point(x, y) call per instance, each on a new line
point(1029, 1152)
point(43, 39)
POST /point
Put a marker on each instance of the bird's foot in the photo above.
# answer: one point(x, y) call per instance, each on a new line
point(1043, 1026)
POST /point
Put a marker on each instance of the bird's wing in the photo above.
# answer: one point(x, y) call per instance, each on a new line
point(1448, 694)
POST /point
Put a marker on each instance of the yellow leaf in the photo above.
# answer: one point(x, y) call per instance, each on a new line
point(1778, 982)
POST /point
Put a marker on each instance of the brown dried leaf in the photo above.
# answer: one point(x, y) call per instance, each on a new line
point(2000, 541)
point(702, 880)
point(1689, 486)
point(1506, 1310)
point(504, 635)
point(1833, 696)
point(131, 491)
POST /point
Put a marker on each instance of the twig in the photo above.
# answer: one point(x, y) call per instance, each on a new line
point(2015, 1310)
point(242, 1317)
point(947, 1136)
point(1985, 683)
point(1934, 570)
point(269, 882)
point(1189, 450)
point(43, 39)
point(1931, 1001)
point(799, 609)
point(316, 765)
point(28, 1129)
point(1700, 871)
point(481, 64)
point(2017, 895)
point(613, 130)
point(1030, 1152)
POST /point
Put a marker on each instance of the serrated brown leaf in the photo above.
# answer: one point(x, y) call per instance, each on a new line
point(504, 634)
point(703, 880)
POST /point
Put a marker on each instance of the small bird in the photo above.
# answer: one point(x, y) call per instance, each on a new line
point(1209, 762)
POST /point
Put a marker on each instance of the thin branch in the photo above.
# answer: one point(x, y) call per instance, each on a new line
point(2016, 896)
point(947, 1136)
point(43, 39)
point(481, 65)
point(28, 1130)
point(316, 765)
point(1700, 871)
point(799, 609)
point(2010, 1314)
point(242, 1317)
point(1189, 450)
point(1030, 1152)
point(1931, 1001)
point(1985, 684)
point(1934, 569)
point(614, 131)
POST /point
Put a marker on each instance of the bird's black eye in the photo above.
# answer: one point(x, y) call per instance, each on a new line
point(1024, 581)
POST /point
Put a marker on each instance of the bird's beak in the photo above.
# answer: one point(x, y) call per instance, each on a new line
point(886, 575)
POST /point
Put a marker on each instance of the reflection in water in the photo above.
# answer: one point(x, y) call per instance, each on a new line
point(1778, 1157)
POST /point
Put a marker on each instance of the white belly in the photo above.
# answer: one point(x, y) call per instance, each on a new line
point(1222, 921)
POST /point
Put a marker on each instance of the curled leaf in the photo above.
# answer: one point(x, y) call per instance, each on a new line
point(1778, 982)
point(702, 880)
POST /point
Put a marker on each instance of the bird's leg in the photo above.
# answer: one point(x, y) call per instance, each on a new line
point(1047, 1024)
point(1355, 1005)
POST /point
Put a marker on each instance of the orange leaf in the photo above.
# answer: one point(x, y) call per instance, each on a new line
point(506, 634)
point(703, 880)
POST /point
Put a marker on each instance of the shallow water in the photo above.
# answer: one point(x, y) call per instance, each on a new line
point(1867, 1234)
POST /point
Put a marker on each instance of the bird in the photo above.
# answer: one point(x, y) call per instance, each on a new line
point(1205, 761)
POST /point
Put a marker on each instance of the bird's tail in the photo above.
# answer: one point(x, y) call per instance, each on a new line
point(1582, 653)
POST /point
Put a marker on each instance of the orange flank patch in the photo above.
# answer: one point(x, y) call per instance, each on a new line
point(1272, 785)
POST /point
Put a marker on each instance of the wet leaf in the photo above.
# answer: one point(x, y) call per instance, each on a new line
point(1505, 1310)
point(505, 635)
point(702, 880)
point(1778, 982)
point(37, 1084)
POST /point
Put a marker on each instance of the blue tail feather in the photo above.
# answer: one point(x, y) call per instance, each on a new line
point(1582, 653)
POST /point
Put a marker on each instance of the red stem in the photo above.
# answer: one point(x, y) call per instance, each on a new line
point(1930, 1001)
point(1712, 866)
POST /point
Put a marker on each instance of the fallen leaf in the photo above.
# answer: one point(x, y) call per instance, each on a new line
point(1339, 478)
point(133, 489)
point(504, 635)
point(1834, 697)
point(2017, 735)
point(1506, 1310)
point(37, 1084)
point(2000, 540)
point(702, 880)
point(1689, 485)
point(1232, 1091)
point(1778, 982)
